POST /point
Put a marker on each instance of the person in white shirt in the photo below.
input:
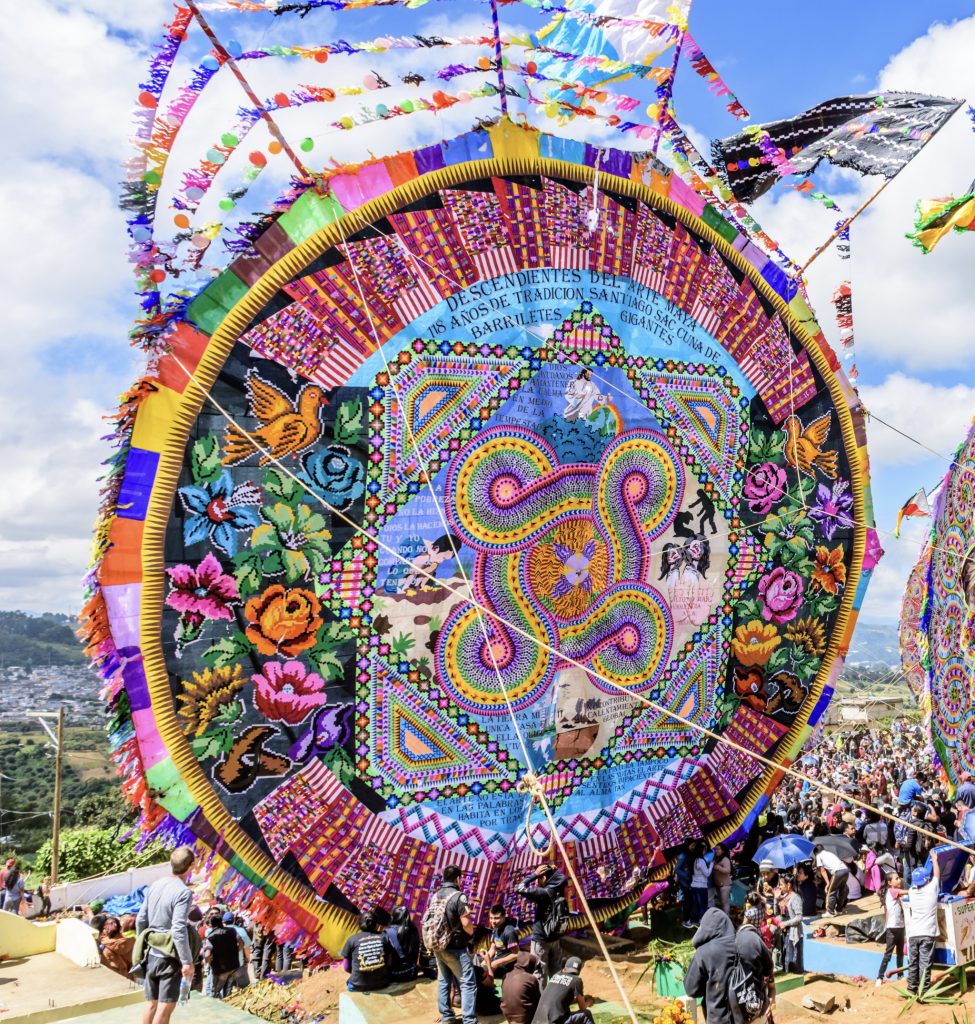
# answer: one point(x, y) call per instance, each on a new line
point(835, 874)
point(700, 875)
point(922, 926)
point(890, 897)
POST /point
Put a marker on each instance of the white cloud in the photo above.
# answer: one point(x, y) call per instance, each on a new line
point(936, 416)
point(68, 84)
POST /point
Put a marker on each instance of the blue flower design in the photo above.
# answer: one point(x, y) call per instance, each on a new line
point(217, 509)
point(334, 474)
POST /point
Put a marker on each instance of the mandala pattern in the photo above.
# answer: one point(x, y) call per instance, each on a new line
point(500, 494)
point(937, 626)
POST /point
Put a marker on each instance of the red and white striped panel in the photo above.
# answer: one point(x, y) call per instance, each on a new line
point(412, 302)
point(495, 262)
point(648, 276)
point(569, 256)
point(339, 361)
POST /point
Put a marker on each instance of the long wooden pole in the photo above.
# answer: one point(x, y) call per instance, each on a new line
point(246, 86)
point(842, 228)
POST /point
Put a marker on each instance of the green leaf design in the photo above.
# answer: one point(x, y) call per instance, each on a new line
point(778, 661)
point(348, 422)
point(230, 713)
point(326, 662)
point(749, 609)
point(227, 650)
point(821, 603)
point(282, 486)
point(247, 572)
point(205, 462)
point(764, 447)
point(340, 764)
point(213, 743)
point(402, 645)
point(273, 564)
point(337, 632)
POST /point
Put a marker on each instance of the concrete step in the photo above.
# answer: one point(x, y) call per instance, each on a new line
point(199, 1010)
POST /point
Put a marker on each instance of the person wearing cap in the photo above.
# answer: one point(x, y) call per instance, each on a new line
point(242, 978)
point(563, 989)
point(520, 990)
point(922, 926)
point(756, 960)
point(549, 884)
point(221, 954)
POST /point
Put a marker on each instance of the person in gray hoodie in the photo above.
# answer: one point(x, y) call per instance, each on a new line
point(714, 959)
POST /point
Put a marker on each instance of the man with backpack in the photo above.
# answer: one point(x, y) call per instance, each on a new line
point(447, 929)
point(551, 917)
point(751, 989)
point(709, 972)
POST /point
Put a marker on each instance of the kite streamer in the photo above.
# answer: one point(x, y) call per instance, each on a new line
point(444, 488)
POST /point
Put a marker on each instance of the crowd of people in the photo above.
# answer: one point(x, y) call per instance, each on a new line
point(868, 830)
point(868, 809)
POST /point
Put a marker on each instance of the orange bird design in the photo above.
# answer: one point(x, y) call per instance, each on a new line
point(803, 446)
point(287, 427)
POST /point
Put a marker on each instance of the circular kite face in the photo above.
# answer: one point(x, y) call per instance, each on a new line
point(944, 639)
point(479, 492)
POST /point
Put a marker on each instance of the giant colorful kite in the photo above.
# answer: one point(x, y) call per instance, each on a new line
point(499, 479)
point(938, 619)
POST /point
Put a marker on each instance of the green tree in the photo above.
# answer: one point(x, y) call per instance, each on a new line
point(108, 811)
point(91, 851)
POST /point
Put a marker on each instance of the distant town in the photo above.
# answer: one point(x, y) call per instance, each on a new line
point(49, 687)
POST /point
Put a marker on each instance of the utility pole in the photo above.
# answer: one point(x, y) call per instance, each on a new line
point(56, 835)
point(58, 740)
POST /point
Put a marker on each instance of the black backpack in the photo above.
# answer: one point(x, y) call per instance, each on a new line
point(556, 921)
point(746, 993)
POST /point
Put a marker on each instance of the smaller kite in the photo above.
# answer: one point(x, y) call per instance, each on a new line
point(936, 217)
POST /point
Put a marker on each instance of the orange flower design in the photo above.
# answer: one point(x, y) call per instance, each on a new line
point(283, 621)
point(754, 642)
point(569, 567)
point(829, 573)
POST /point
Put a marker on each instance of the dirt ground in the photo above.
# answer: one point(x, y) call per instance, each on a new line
point(316, 997)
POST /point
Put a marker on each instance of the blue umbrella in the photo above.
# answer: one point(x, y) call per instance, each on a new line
point(784, 851)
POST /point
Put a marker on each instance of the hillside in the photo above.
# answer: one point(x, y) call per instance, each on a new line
point(874, 645)
point(32, 640)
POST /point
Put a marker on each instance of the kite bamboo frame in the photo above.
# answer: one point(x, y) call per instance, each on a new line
point(522, 158)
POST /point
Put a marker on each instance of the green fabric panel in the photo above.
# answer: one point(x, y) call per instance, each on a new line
point(209, 308)
point(241, 868)
point(714, 220)
point(308, 214)
point(178, 802)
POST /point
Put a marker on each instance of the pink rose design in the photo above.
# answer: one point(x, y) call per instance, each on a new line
point(205, 592)
point(288, 693)
point(764, 486)
point(781, 592)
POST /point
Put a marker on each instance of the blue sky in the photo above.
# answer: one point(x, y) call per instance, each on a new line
point(65, 289)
